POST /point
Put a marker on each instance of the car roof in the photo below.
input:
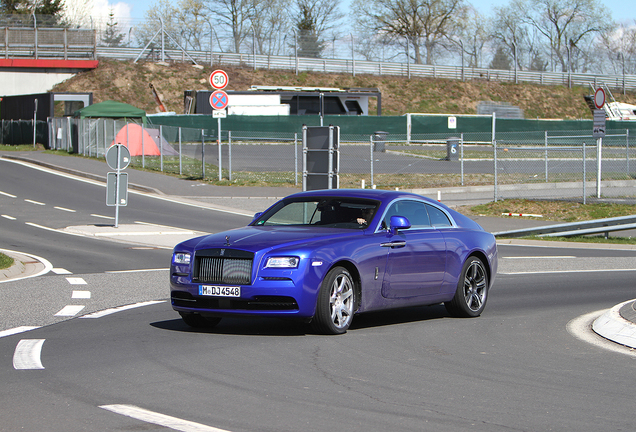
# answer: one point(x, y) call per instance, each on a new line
point(375, 194)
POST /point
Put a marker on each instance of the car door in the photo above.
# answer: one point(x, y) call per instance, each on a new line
point(416, 258)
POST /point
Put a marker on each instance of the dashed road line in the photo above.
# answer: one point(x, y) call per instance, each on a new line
point(81, 295)
point(70, 310)
point(8, 194)
point(105, 312)
point(60, 271)
point(76, 281)
point(17, 330)
point(8, 217)
point(159, 419)
point(65, 209)
point(102, 217)
point(35, 202)
point(545, 272)
point(27, 354)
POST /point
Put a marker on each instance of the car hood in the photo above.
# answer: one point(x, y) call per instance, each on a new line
point(252, 238)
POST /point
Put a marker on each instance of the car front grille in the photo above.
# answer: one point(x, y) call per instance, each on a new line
point(223, 266)
point(259, 303)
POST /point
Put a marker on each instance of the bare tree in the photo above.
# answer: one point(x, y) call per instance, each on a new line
point(424, 23)
point(568, 26)
point(234, 16)
point(619, 47)
point(312, 19)
point(472, 36)
point(269, 25)
point(191, 19)
point(511, 32)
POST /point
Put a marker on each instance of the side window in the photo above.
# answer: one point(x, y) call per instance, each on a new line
point(438, 217)
point(414, 211)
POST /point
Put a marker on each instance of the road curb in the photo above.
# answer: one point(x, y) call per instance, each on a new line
point(613, 326)
point(78, 173)
point(24, 266)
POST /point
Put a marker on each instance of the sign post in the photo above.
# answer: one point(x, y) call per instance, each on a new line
point(219, 101)
point(118, 158)
point(598, 132)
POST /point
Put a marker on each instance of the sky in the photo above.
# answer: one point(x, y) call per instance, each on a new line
point(622, 11)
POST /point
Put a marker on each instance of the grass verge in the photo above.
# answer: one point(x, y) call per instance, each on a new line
point(5, 261)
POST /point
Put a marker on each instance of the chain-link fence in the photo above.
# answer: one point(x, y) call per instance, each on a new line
point(542, 165)
point(532, 165)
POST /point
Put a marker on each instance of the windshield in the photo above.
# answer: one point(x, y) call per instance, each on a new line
point(329, 212)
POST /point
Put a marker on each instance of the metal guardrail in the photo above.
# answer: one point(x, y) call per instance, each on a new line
point(598, 226)
point(353, 66)
point(65, 43)
point(50, 43)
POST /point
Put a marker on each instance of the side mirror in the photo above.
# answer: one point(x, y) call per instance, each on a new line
point(398, 223)
point(256, 216)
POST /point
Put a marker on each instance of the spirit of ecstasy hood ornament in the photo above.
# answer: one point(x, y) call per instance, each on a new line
point(227, 240)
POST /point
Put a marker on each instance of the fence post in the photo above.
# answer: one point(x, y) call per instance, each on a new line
point(180, 165)
point(461, 155)
point(627, 147)
point(203, 153)
point(584, 175)
point(161, 146)
point(229, 155)
point(546, 156)
point(295, 158)
point(494, 144)
point(371, 158)
point(599, 163)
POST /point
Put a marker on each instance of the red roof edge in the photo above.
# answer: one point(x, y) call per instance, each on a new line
point(49, 63)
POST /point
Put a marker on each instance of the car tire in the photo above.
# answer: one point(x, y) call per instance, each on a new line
point(472, 290)
point(336, 302)
point(195, 320)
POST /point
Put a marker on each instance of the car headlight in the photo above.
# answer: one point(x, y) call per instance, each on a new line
point(181, 258)
point(282, 262)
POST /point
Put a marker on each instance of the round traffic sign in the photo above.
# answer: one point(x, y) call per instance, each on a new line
point(599, 98)
point(218, 100)
point(218, 79)
point(118, 157)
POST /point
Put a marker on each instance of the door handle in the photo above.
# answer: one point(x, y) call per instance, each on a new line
point(394, 244)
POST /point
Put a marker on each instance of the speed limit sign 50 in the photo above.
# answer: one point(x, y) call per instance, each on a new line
point(218, 79)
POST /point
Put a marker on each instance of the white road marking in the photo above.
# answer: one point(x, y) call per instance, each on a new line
point(98, 183)
point(17, 330)
point(137, 271)
point(60, 271)
point(102, 217)
point(541, 257)
point(65, 209)
point(8, 194)
point(8, 217)
point(34, 202)
point(27, 354)
point(47, 266)
point(160, 419)
point(81, 295)
point(581, 328)
point(567, 271)
point(70, 310)
point(76, 281)
point(121, 309)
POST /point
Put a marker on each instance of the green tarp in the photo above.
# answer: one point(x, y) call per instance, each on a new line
point(111, 109)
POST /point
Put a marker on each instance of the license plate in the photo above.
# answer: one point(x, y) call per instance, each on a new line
point(219, 291)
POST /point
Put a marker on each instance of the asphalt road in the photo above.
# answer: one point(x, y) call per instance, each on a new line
point(528, 363)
